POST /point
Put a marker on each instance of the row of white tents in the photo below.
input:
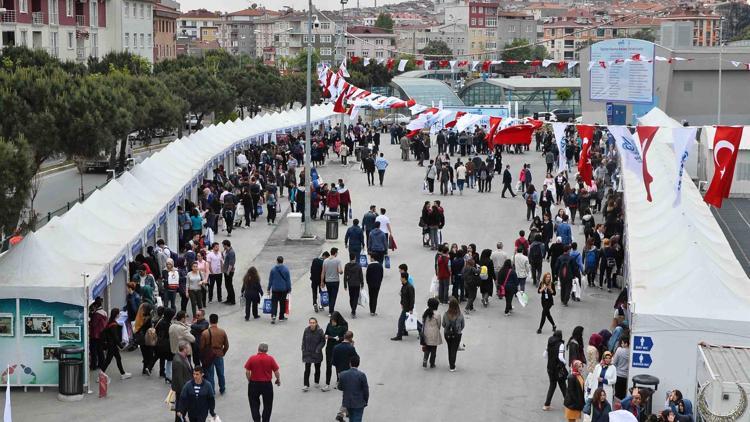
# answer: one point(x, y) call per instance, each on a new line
point(101, 235)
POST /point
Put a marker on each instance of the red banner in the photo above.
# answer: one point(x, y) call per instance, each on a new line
point(645, 137)
point(586, 132)
point(519, 134)
point(726, 149)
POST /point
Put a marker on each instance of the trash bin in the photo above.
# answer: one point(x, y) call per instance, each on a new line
point(332, 226)
point(647, 385)
point(295, 225)
point(71, 373)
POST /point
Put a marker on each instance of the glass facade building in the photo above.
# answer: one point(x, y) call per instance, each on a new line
point(534, 95)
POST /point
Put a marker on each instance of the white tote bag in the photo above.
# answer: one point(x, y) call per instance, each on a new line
point(434, 287)
point(576, 290)
point(364, 298)
point(411, 322)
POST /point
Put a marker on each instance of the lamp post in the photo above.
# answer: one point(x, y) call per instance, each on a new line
point(343, 55)
point(721, 65)
point(308, 130)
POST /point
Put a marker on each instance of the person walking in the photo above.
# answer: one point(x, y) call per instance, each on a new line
point(342, 356)
point(507, 181)
point(215, 265)
point(453, 326)
point(567, 270)
point(171, 280)
point(214, 345)
point(178, 331)
point(510, 284)
point(430, 176)
point(374, 277)
point(334, 334)
point(546, 292)
point(431, 322)
point(377, 243)
point(145, 337)
point(313, 341)
point(182, 371)
point(574, 394)
point(368, 221)
point(460, 176)
point(111, 338)
point(316, 282)
point(443, 273)
point(522, 267)
point(331, 276)
point(163, 350)
point(195, 283)
point(354, 239)
point(381, 164)
point(252, 291)
point(227, 267)
point(353, 383)
point(354, 282)
point(368, 165)
point(470, 278)
point(407, 306)
point(259, 369)
point(537, 252)
point(279, 286)
point(197, 399)
point(345, 201)
point(556, 367)
point(532, 198)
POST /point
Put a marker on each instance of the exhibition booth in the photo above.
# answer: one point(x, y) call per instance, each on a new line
point(686, 286)
point(48, 279)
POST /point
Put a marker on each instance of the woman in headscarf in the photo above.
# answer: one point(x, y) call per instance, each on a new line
point(485, 286)
point(507, 277)
point(605, 334)
point(603, 376)
point(592, 351)
point(575, 346)
point(574, 396)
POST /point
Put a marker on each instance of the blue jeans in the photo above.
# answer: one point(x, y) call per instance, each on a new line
point(171, 299)
point(218, 363)
point(355, 413)
point(401, 324)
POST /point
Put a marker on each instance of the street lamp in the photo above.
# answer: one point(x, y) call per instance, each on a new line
point(307, 234)
point(343, 54)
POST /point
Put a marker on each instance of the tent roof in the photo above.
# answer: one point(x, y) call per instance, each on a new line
point(680, 262)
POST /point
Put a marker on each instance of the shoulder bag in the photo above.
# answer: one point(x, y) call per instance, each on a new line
point(208, 356)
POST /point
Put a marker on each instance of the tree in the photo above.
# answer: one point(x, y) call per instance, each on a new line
point(736, 20)
point(436, 50)
point(203, 91)
point(16, 172)
point(519, 49)
point(298, 63)
point(368, 76)
point(384, 21)
point(410, 64)
point(646, 34)
point(564, 94)
point(127, 62)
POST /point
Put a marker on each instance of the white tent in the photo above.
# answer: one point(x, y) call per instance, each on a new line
point(686, 284)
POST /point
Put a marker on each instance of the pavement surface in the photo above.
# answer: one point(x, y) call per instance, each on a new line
point(500, 375)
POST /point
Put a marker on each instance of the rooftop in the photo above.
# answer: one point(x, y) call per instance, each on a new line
point(255, 12)
point(427, 91)
point(521, 84)
point(201, 13)
point(364, 30)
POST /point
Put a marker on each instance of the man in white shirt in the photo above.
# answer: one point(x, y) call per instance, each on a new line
point(498, 258)
point(522, 267)
point(385, 226)
point(215, 261)
point(242, 160)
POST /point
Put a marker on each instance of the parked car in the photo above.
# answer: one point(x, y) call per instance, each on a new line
point(390, 119)
point(562, 115)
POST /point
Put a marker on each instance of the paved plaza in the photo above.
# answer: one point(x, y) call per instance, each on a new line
point(500, 375)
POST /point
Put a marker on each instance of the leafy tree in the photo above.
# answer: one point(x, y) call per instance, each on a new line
point(19, 57)
point(737, 20)
point(384, 21)
point(203, 91)
point(519, 49)
point(410, 64)
point(372, 75)
point(294, 87)
point(564, 94)
point(298, 63)
point(16, 172)
point(127, 62)
point(436, 50)
point(646, 34)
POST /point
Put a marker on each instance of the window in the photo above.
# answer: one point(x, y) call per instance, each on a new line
point(148, 11)
point(68, 7)
point(569, 31)
point(552, 43)
point(126, 9)
point(511, 28)
point(142, 38)
point(148, 40)
point(126, 43)
point(568, 55)
point(325, 52)
point(24, 6)
point(530, 28)
point(134, 8)
point(350, 41)
point(325, 38)
point(22, 38)
point(135, 40)
point(480, 22)
point(379, 54)
point(687, 86)
point(480, 10)
point(350, 54)
point(307, 39)
point(71, 40)
point(140, 7)
point(491, 22)
point(473, 22)
point(205, 23)
point(365, 53)
point(473, 9)
point(325, 25)
point(569, 44)
point(379, 41)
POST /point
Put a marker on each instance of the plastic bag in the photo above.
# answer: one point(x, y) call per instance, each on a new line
point(576, 290)
point(259, 209)
point(434, 287)
point(350, 213)
point(387, 262)
point(324, 297)
point(411, 322)
point(424, 186)
point(523, 298)
point(363, 261)
point(364, 298)
point(266, 305)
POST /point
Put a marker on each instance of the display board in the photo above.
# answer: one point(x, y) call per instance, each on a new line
point(31, 332)
point(615, 76)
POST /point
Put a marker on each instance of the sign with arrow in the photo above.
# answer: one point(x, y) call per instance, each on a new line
point(643, 344)
point(642, 360)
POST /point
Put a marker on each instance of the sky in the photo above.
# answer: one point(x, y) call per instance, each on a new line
point(234, 5)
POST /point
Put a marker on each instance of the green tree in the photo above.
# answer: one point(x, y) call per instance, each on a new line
point(436, 50)
point(298, 63)
point(203, 91)
point(372, 75)
point(519, 49)
point(16, 172)
point(127, 62)
point(736, 20)
point(646, 34)
point(410, 64)
point(564, 94)
point(384, 21)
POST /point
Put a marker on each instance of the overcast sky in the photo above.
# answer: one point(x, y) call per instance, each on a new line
point(234, 5)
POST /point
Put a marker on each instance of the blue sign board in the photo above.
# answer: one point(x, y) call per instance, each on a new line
point(643, 344)
point(119, 264)
point(99, 287)
point(151, 232)
point(137, 246)
point(616, 114)
point(162, 218)
point(642, 360)
point(173, 205)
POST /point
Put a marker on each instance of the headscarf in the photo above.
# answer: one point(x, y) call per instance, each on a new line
point(604, 356)
point(576, 367)
point(595, 340)
point(605, 339)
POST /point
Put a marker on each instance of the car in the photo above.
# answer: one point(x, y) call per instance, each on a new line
point(390, 119)
point(562, 115)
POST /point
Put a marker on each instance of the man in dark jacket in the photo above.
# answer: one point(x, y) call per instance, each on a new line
point(353, 383)
point(182, 371)
point(374, 277)
point(197, 398)
point(315, 271)
point(354, 239)
point(196, 329)
point(368, 221)
point(377, 243)
point(567, 270)
point(407, 305)
point(507, 180)
point(279, 285)
point(342, 356)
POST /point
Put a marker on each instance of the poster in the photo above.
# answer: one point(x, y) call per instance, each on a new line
point(618, 80)
point(32, 333)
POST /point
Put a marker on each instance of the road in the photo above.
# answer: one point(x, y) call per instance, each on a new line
point(501, 373)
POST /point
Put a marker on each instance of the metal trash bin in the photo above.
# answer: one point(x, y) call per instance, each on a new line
point(71, 373)
point(647, 385)
point(332, 226)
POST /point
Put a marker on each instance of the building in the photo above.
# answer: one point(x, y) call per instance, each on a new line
point(483, 28)
point(411, 38)
point(239, 32)
point(515, 25)
point(131, 27)
point(191, 23)
point(165, 32)
point(534, 95)
point(69, 30)
point(367, 41)
point(705, 25)
point(291, 38)
point(456, 36)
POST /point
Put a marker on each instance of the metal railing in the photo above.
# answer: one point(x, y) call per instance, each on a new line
point(81, 54)
point(80, 20)
point(54, 18)
point(37, 18)
point(8, 17)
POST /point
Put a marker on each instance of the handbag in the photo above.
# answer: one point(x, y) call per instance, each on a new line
point(562, 372)
point(324, 297)
point(363, 261)
point(387, 262)
point(501, 289)
point(259, 209)
point(266, 305)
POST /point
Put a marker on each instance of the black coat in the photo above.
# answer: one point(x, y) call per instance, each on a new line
point(507, 177)
point(407, 297)
point(254, 292)
point(574, 395)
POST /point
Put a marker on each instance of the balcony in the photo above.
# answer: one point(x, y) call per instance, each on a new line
point(81, 54)
point(37, 18)
point(54, 18)
point(8, 17)
point(81, 20)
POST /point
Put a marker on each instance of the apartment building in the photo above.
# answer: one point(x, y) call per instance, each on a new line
point(130, 27)
point(367, 41)
point(455, 35)
point(240, 32)
point(411, 38)
point(515, 25)
point(67, 29)
point(483, 28)
point(290, 38)
point(165, 32)
point(705, 25)
point(192, 23)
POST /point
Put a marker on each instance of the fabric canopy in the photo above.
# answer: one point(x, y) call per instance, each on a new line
point(49, 265)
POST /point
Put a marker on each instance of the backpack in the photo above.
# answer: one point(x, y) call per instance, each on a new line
point(451, 330)
point(484, 273)
point(529, 199)
point(591, 258)
point(150, 338)
point(535, 253)
point(611, 262)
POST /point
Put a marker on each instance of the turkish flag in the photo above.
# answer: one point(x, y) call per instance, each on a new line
point(354, 59)
point(404, 104)
point(486, 65)
point(561, 65)
point(419, 62)
point(586, 132)
point(494, 123)
point(511, 135)
point(645, 137)
point(412, 133)
point(726, 149)
point(389, 64)
point(339, 106)
point(453, 123)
